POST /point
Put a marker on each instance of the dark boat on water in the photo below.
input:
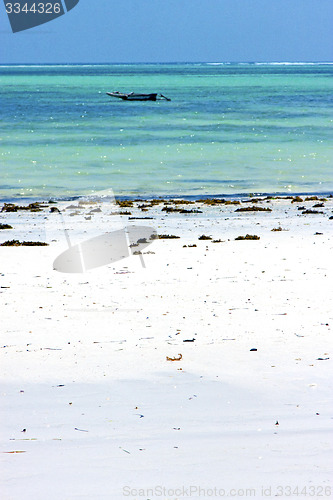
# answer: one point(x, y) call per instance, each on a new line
point(132, 96)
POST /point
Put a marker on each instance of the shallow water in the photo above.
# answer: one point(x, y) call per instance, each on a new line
point(229, 128)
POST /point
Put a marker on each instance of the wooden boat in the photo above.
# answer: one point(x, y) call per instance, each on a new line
point(132, 96)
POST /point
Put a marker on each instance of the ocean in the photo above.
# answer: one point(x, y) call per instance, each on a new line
point(229, 129)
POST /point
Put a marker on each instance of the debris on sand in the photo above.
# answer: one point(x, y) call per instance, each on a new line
point(176, 358)
point(248, 237)
point(253, 209)
point(17, 243)
point(32, 207)
point(309, 211)
point(168, 237)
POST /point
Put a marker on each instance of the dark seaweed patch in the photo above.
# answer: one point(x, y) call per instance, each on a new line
point(253, 209)
point(311, 212)
point(204, 237)
point(297, 199)
point(248, 237)
point(167, 237)
point(17, 243)
point(32, 207)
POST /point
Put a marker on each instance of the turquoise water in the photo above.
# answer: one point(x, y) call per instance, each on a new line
point(229, 128)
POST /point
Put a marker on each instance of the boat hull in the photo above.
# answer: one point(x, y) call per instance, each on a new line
point(133, 97)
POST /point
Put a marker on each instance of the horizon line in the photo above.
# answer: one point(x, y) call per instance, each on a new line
point(156, 62)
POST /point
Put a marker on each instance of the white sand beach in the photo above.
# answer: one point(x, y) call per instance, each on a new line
point(91, 406)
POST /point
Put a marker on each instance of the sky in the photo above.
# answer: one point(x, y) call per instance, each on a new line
point(112, 31)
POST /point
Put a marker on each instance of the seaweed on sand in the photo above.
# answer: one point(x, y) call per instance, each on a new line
point(17, 243)
point(32, 207)
point(253, 209)
point(125, 203)
point(248, 237)
point(167, 237)
point(218, 201)
point(309, 211)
